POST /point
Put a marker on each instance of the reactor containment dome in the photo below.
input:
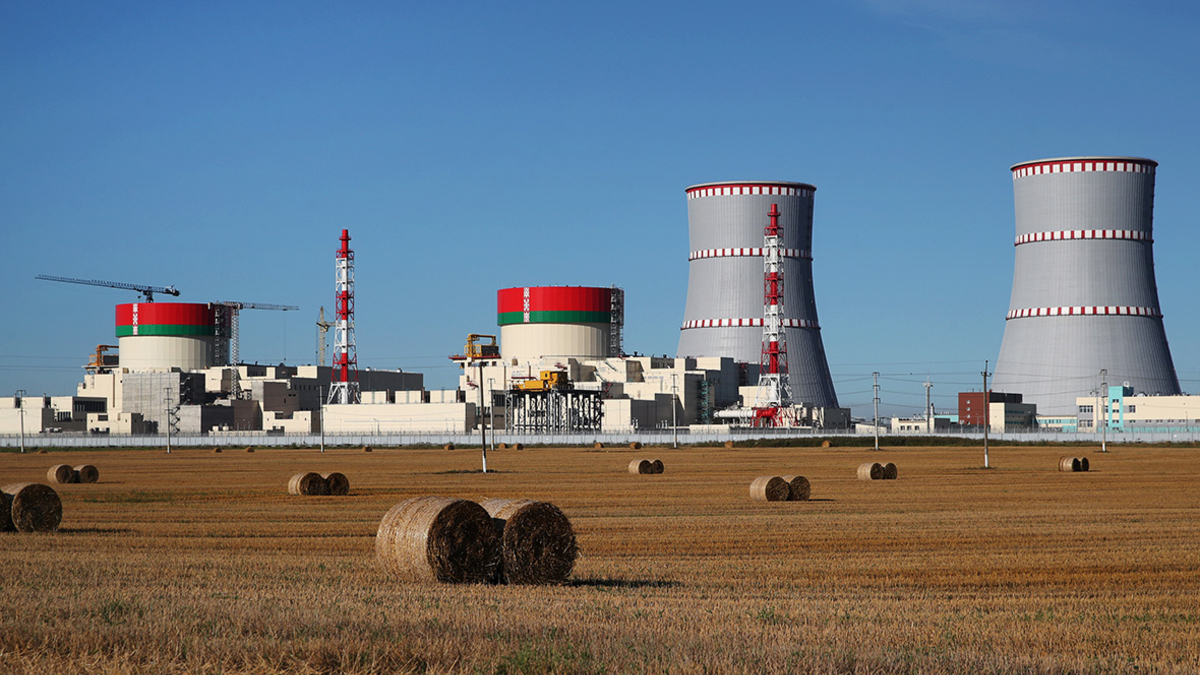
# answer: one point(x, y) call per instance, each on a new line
point(1084, 298)
point(725, 299)
point(165, 335)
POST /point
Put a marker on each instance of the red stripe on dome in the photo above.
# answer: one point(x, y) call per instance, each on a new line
point(555, 299)
point(165, 314)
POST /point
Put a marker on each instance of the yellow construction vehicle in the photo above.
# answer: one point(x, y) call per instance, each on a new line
point(476, 349)
point(549, 379)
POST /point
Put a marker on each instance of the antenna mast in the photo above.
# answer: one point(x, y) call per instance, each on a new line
point(344, 387)
point(774, 394)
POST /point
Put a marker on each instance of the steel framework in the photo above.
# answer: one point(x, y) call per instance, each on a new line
point(553, 411)
point(344, 387)
point(774, 392)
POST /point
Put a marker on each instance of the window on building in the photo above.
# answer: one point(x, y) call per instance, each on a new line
point(1085, 423)
point(1132, 409)
point(1085, 408)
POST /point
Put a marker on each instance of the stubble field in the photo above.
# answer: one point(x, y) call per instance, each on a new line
point(201, 562)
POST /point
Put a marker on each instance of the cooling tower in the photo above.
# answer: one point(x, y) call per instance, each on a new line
point(164, 335)
point(724, 313)
point(1084, 296)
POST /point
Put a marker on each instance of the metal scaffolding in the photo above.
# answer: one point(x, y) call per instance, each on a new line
point(553, 411)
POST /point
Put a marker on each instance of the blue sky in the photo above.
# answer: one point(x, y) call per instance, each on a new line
point(221, 147)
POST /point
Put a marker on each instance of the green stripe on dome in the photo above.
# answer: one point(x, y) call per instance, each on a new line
point(170, 330)
point(562, 316)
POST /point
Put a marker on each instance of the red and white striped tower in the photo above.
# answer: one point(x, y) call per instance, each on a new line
point(773, 394)
point(344, 388)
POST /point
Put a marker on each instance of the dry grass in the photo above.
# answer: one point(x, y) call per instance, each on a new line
point(1017, 569)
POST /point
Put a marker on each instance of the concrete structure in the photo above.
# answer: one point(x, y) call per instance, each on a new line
point(48, 414)
point(1130, 412)
point(382, 418)
point(724, 312)
point(921, 425)
point(1002, 411)
point(1084, 296)
point(554, 322)
point(157, 335)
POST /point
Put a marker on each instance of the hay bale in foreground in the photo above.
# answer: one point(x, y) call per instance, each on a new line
point(32, 507)
point(641, 466)
point(439, 539)
point(870, 471)
point(336, 484)
point(799, 489)
point(769, 489)
point(308, 483)
point(890, 472)
point(86, 473)
point(61, 473)
point(537, 541)
point(656, 466)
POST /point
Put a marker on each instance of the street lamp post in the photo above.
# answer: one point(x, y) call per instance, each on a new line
point(21, 412)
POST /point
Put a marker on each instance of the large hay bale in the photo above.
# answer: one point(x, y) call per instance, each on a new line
point(769, 489)
point(439, 539)
point(6, 523)
point(656, 466)
point(537, 541)
point(308, 483)
point(890, 472)
point(1070, 464)
point(799, 489)
point(1084, 465)
point(33, 507)
point(870, 471)
point(336, 484)
point(641, 466)
point(61, 473)
point(86, 473)
point(636, 445)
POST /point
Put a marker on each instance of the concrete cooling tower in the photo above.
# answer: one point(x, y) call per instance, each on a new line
point(724, 313)
point(1084, 296)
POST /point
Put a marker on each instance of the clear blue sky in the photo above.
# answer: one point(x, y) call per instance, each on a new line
point(222, 146)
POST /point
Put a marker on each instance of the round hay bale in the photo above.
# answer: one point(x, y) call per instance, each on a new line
point(799, 489)
point(6, 523)
point(518, 446)
point(502, 446)
point(336, 484)
point(33, 507)
point(249, 448)
point(641, 466)
point(448, 446)
point(597, 445)
point(439, 539)
point(308, 483)
point(889, 471)
point(366, 448)
point(728, 445)
point(61, 473)
point(636, 445)
point(86, 473)
point(217, 451)
point(870, 471)
point(1070, 464)
point(826, 444)
point(1084, 465)
point(537, 541)
point(656, 466)
point(42, 451)
point(769, 489)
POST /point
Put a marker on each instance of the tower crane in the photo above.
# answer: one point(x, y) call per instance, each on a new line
point(323, 327)
point(146, 291)
point(228, 340)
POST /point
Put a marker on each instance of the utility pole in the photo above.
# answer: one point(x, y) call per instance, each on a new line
point(928, 407)
point(21, 412)
point(482, 419)
point(674, 405)
point(322, 422)
point(1104, 420)
point(987, 414)
point(876, 425)
point(491, 392)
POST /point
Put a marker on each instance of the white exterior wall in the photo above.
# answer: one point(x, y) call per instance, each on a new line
point(400, 417)
point(299, 422)
point(152, 352)
point(525, 343)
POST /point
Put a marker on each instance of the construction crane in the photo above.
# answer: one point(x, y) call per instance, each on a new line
point(146, 291)
point(228, 340)
point(323, 327)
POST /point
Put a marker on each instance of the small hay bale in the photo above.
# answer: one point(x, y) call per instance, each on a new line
point(728, 445)
point(870, 471)
point(656, 466)
point(537, 541)
point(86, 473)
point(636, 445)
point(518, 446)
point(249, 448)
point(32, 507)
point(826, 444)
point(641, 466)
point(1084, 465)
point(61, 473)
point(597, 445)
point(889, 471)
point(42, 451)
point(502, 446)
point(366, 448)
point(769, 489)
point(439, 539)
point(308, 483)
point(799, 489)
point(448, 446)
point(1070, 464)
point(336, 484)
point(217, 451)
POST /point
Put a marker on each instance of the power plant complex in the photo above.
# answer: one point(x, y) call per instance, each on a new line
point(1084, 345)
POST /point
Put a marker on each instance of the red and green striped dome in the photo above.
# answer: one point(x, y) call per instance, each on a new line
point(553, 304)
point(172, 319)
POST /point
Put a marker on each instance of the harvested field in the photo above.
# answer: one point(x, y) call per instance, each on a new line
point(1016, 569)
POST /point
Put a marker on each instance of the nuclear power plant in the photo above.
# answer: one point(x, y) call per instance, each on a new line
point(1084, 298)
point(725, 299)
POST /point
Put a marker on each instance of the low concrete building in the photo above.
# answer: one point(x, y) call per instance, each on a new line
point(1130, 412)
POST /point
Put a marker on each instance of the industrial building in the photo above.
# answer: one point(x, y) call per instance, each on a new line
point(999, 411)
point(724, 314)
point(1084, 305)
point(1129, 411)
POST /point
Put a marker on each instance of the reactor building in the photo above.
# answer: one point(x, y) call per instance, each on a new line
point(1084, 299)
point(725, 298)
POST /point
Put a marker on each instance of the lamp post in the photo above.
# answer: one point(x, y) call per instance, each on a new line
point(491, 393)
point(21, 412)
point(674, 406)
